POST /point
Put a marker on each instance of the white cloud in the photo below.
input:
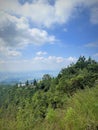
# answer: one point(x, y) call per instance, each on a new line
point(43, 13)
point(36, 63)
point(95, 55)
point(5, 51)
point(93, 44)
point(94, 15)
point(56, 59)
point(65, 29)
point(13, 53)
point(38, 58)
point(59, 59)
point(55, 62)
point(72, 59)
point(41, 53)
point(16, 31)
point(40, 37)
point(15, 34)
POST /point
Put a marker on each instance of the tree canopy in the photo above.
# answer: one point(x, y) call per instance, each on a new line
point(66, 102)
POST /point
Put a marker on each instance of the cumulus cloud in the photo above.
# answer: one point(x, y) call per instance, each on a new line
point(40, 37)
point(15, 30)
point(56, 59)
point(15, 33)
point(43, 13)
point(52, 62)
point(37, 63)
point(5, 51)
point(72, 59)
point(41, 53)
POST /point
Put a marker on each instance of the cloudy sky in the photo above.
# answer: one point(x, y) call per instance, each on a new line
point(46, 34)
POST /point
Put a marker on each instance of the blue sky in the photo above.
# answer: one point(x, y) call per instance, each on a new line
point(46, 34)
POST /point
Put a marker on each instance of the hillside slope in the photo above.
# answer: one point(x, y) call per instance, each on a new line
point(66, 102)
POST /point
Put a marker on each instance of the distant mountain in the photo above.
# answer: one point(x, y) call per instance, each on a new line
point(16, 77)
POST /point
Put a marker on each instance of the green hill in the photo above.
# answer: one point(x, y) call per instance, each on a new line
point(66, 102)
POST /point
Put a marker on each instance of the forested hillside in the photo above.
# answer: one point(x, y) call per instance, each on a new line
point(66, 102)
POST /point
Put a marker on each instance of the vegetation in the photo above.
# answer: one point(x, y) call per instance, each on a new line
point(66, 102)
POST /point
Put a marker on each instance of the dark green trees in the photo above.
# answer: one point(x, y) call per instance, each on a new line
point(66, 102)
point(45, 83)
point(78, 76)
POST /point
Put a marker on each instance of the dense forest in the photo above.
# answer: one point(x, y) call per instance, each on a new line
point(66, 102)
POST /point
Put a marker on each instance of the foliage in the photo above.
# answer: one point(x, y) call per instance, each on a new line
point(66, 102)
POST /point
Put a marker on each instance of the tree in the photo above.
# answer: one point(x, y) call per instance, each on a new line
point(34, 82)
point(27, 83)
point(46, 77)
point(81, 63)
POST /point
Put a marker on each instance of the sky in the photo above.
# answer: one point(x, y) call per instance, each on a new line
point(46, 34)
